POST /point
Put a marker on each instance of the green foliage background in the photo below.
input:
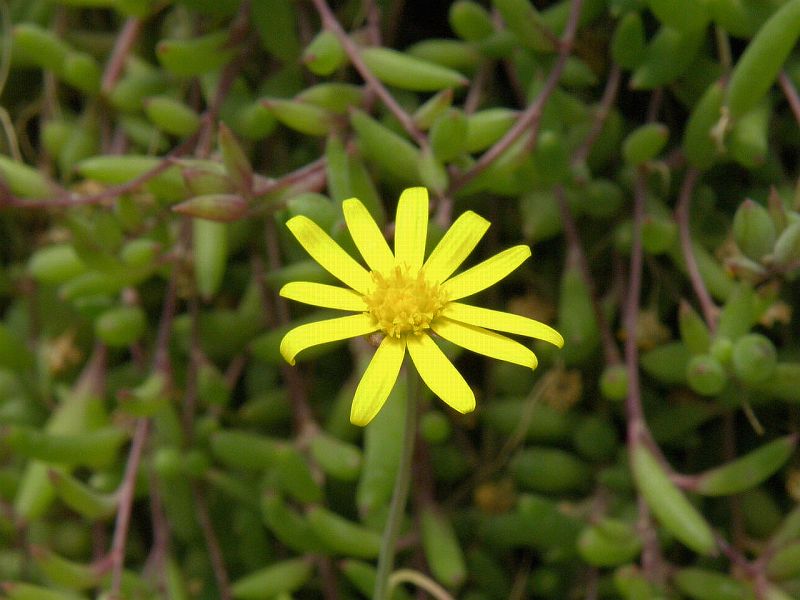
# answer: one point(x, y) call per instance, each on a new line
point(153, 444)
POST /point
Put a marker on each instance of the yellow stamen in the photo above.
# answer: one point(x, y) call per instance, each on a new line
point(402, 303)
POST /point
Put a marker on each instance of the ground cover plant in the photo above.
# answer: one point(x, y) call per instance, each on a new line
point(383, 299)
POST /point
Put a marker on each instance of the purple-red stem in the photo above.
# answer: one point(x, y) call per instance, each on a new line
point(791, 94)
point(707, 306)
point(126, 493)
point(530, 118)
point(611, 353)
point(330, 23)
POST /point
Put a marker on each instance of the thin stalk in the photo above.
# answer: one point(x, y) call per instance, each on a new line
point(402, 484)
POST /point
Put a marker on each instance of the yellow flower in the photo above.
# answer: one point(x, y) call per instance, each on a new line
point(406, 298)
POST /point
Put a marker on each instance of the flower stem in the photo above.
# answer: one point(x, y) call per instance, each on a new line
point(401, 486)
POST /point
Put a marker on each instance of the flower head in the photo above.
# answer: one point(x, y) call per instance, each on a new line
point(406, 298)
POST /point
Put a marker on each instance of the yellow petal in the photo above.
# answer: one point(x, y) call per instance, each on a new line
point(439, 374)
point(455, 246)
point(329, 254)
point(377, 381)
point(320, 332)
point(411, 228)
point(483, 341)
point(321, 294)
point(486, 273)
point(367, 236)
point(502, 321)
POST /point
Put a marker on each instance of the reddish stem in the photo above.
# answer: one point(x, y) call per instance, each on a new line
point(707, 306)
point(529, 120)
point(791, 94)
point(332, 24)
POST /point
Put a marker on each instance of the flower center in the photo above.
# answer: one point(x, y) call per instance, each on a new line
point(402, 303)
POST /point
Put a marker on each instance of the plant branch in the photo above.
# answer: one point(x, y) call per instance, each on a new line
point(636, 424)
point(212, 544)
point(330, 23)
point(707, 306)
point(402, 484)
point(122, 46)
point(529, 120)
point(791, 94)
point(126, 495)
point(633, 404)
point(601, 114)
point(610, 351)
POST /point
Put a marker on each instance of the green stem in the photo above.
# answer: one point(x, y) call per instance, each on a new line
point(401, 486)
